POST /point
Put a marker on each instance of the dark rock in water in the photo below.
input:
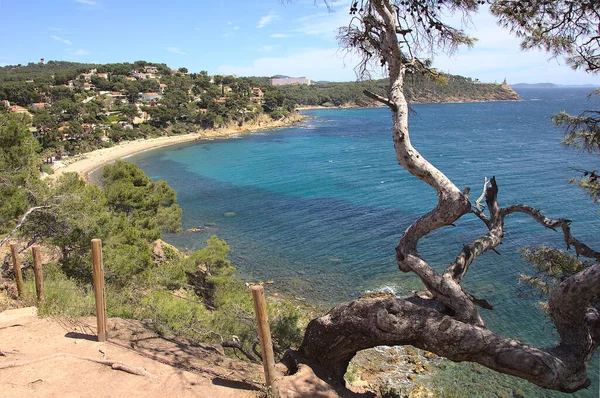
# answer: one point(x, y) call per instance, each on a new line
point(210, 224)
point(229, 214)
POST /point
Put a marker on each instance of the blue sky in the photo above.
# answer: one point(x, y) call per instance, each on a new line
point(248, 38)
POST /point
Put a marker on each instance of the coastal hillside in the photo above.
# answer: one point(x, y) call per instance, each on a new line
point(449, 88)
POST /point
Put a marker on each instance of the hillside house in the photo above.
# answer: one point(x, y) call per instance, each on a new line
point(18, 109)
point(37, 106)
point(257, 94)
point(149, 97)
point(116, 95)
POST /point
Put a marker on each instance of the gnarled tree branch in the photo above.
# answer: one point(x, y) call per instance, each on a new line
point(20, 223)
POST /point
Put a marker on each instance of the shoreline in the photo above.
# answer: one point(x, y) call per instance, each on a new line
point(85, 163)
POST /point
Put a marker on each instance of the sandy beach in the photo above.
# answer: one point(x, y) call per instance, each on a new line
point(85, 163)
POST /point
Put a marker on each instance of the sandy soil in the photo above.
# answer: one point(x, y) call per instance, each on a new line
point(88, 162)
point(30, 365)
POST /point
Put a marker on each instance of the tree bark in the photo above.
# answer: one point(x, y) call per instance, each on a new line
point(331, 341)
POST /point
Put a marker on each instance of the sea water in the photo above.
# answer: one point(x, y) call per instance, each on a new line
point(319, 208)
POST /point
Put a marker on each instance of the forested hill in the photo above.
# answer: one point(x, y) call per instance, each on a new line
point(451, 88)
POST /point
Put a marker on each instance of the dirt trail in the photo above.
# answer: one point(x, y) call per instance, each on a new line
point(177, 368)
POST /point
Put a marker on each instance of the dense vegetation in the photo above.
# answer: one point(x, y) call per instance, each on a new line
point(195, 295)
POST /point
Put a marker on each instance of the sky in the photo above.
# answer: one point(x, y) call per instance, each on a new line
point(248, 38)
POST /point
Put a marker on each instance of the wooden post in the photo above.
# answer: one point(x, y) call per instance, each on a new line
point(17, 269)
point(37, 273)
point(264, 334)
point(98, 273)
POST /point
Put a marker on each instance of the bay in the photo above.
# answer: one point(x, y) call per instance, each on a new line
point(320, 207)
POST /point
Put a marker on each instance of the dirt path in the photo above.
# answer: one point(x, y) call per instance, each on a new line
point(198, 371)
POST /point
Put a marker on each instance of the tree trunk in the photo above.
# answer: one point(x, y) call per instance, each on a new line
point(449, 323)
point(331, 341)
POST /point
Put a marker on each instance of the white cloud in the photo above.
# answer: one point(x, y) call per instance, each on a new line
point(497, 55)
point(176, 50)
point(279, 35)
point(236, 28)
point(88, 2)
point(314, 63)
point(268, 49)
point(324, 24)
point(81, 52)
point(60, 39)
point(267, 19)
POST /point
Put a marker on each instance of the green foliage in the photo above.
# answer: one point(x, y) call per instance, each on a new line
point(62, 296)
point(562, 28)
point(19, 183)
point(149, 205)
point(200, 297)
point(583, 132)
point(552, 267)
point(172, 314)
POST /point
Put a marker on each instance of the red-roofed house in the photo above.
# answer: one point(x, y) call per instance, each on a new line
point(17, 109)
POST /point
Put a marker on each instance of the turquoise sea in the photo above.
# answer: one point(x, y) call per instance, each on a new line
point(318, 208)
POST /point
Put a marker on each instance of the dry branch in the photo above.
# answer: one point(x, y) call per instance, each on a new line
point(20, 223)
point(116, 365)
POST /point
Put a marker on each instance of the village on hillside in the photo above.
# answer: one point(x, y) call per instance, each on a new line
point(71, 111)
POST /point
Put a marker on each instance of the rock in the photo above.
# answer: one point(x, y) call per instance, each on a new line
point(229, 214)
point(420, 392)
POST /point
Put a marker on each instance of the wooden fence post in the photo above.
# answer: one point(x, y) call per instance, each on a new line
point(17, 269)
point(37, 273)
point(98, 273)
point(264, 335)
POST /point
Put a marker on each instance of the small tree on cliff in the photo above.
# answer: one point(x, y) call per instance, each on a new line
point(395, 34)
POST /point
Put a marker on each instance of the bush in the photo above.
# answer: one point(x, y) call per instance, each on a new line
point(62, 296)
point(46, 168)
